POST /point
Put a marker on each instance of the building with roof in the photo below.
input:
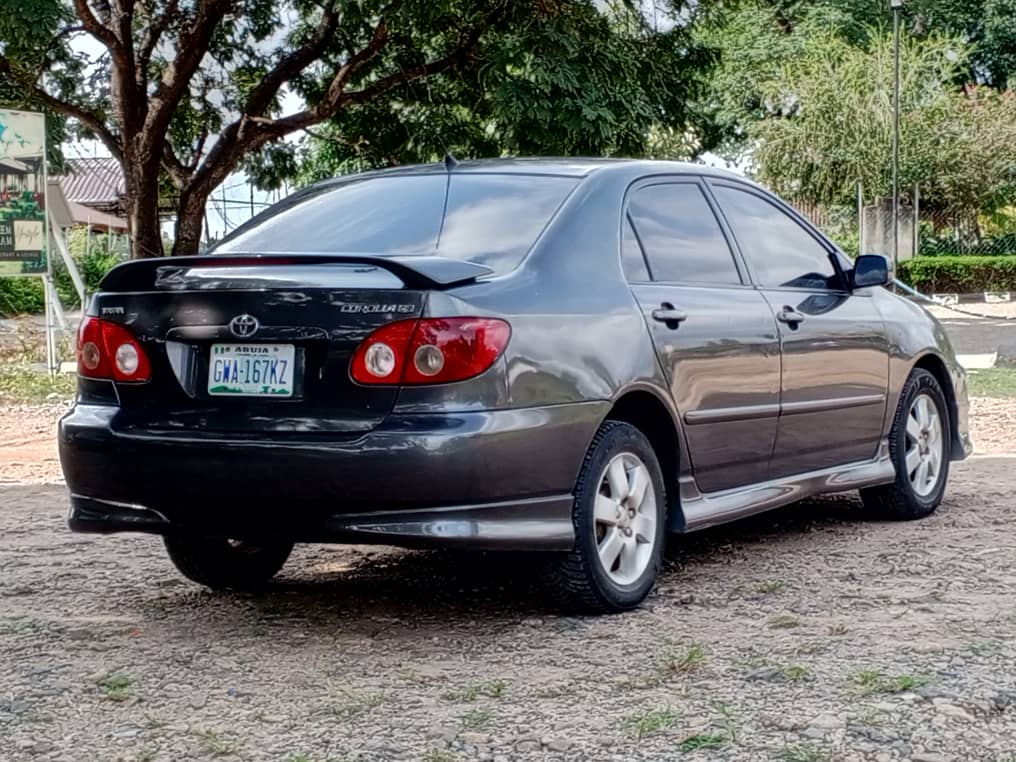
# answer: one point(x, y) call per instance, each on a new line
point(95, 189)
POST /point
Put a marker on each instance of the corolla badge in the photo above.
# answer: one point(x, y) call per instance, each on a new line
point(244, 325)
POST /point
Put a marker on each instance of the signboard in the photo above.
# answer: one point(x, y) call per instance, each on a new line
point(22, 193)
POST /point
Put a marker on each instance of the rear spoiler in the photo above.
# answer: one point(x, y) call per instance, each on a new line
point(415, 271)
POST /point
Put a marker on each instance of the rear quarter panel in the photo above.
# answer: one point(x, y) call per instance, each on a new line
point(578, 335)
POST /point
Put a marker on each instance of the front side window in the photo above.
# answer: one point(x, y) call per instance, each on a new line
point(781, 252)
point(490, 219)
point(681, 236)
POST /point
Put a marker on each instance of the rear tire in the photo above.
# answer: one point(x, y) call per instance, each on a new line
point(223, 564)
point(920, 446)
point(619, 515)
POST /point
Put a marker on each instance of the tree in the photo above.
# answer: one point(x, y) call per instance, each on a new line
point(184, 92)
point(579, 80)
point(829, 124)
point(756, 37)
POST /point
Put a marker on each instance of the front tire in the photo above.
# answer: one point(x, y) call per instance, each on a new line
point(919, 445)
point(223, 564)
point(619, 516)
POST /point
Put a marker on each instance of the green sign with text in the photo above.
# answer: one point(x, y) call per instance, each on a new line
point(22, 193)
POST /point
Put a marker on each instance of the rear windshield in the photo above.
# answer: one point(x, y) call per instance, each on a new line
point(489, 219)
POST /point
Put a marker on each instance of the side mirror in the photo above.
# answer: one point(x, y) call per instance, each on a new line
point(871, 270)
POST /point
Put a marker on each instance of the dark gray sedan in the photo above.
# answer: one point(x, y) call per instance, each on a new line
point(566, 356)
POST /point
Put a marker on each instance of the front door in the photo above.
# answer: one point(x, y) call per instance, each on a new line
point(716, 336)
point(833, 341)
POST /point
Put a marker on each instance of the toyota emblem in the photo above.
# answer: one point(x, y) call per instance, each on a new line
point(244, 325)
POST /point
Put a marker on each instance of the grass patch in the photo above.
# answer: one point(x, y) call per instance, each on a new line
point(216, 744)
point(473, 691)
point(477, 718)
point(645, 723)
point(19, 382)
point(871, 681)
point(801, 752)
point(116, 687)
point(439, 755)
point(704, 741)
point(992, 382)
point(783, 622)
point(682, 661)
point(354, 704)
point(794, 673)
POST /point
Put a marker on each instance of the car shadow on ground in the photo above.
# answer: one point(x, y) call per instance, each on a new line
point(333, 583)
point(342, 585)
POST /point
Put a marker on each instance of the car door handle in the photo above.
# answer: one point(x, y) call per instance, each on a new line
point(666, 313)
point(789, 315)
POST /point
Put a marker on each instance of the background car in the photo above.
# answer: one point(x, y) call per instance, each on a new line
point(566, 356)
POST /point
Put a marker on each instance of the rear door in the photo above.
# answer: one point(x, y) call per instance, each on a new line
point(834, 345)
point(715, 335)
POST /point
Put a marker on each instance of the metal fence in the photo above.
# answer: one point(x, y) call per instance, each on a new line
point(868, 226)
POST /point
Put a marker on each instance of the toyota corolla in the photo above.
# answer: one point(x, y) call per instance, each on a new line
point(569, 357)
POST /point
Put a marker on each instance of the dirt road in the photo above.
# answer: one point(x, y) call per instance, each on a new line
point(806, 634)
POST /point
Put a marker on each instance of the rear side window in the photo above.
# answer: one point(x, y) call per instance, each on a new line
point(780, 251)
point(681, 237)
point(489, 219)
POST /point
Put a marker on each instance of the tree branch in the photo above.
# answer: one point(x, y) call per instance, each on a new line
point(93, 26)
point(191, 48)
point(252, 131)
point(87, 118)
point(178, 172)
point(293, 63)
point(150, 39)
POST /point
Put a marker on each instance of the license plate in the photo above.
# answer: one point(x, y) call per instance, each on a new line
point(251, 370)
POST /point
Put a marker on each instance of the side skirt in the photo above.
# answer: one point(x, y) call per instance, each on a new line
point(702, 510)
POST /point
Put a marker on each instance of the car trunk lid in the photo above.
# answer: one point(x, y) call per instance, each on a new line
point(247, 345)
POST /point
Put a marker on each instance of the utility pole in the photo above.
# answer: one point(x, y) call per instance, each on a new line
point(897, 9)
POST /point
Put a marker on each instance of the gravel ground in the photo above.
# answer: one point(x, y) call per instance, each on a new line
point(802, 635)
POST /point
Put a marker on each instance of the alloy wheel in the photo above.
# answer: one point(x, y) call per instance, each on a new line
point(625, 519)
point(925, 448)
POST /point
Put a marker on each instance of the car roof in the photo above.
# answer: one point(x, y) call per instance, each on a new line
point(567, 166)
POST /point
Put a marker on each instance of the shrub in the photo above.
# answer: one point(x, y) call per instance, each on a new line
point(24, 296)
point(964, 274)
point(21, 296)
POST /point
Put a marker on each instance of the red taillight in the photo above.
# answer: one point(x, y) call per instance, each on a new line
point(430, 351)
point(108, 350)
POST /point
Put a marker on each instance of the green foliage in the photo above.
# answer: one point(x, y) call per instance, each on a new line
point(21, 296)
point(959, 274)
point(992, 382)
point(565, 78)
point(20, 382)
point(755, 38)
point(649, 721)
point(802, 95)
point(24, 296)
point(870, 681)
point(704, 741)
point(830, 126)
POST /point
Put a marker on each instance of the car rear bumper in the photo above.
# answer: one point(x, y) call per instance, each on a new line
point(497, 479)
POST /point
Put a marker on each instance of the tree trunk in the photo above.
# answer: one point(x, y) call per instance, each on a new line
point(189, 223)
point(143, 210)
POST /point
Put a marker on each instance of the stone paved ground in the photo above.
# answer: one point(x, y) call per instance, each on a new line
point(803, 635)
